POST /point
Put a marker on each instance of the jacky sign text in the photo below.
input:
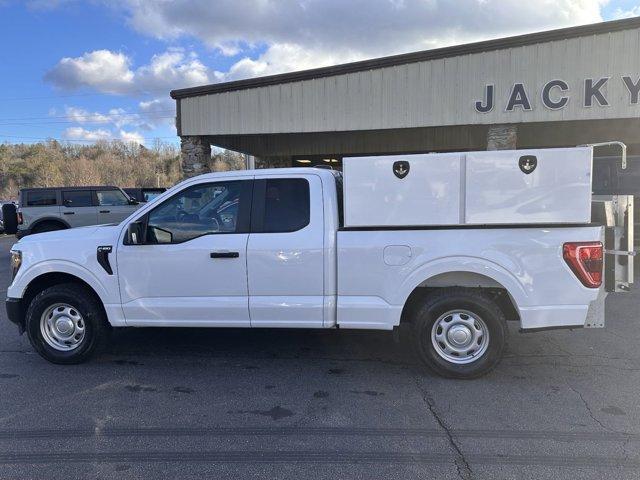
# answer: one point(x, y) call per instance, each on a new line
point(555, 94)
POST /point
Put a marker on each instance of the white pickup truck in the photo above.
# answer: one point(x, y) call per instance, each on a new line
point(450, 246)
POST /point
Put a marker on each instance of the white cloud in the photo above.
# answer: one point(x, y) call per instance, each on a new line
point(81, 115)
point(85, 135)
point(102, 70)
point(357, 28)
point(286, 35)
point(152, 114)
point(131, 137)
point(79, 133)
point(619, 13)
point(111, 72)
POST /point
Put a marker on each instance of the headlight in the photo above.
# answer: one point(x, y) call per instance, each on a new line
point(16, 261)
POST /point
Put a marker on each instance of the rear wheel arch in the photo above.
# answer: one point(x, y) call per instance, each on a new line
point(472, 281)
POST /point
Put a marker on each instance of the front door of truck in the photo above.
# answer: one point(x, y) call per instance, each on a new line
point(285, 253)
point(185, 264)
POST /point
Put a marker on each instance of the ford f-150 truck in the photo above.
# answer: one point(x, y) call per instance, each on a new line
point(447, 246)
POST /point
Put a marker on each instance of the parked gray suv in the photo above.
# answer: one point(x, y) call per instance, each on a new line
point(47, 209)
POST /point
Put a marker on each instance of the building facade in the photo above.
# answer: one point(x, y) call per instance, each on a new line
point(557, 88)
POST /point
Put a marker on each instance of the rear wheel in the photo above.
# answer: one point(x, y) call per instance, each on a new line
point(65, 324)
point(48, 227)
point(459, 333)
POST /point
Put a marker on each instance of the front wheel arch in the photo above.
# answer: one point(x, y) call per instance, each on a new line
point(46, 280)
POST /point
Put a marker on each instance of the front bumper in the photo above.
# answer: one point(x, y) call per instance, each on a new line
point(15, 312)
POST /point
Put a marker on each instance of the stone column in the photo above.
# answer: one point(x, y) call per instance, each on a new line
point(196, 155)
point(502, 137)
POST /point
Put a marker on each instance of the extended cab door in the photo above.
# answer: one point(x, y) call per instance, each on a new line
point(285, 252)
point(186, 263)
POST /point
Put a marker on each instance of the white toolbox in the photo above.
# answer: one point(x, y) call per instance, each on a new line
point(505, 187)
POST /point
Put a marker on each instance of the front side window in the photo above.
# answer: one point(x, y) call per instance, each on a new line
point(41, 198)
point(286, 207)
point(204, 209)
point(79, 198)
point(111, 198)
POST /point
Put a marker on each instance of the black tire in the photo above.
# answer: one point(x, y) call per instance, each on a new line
point(9, 218)
point(445, 300)
point(48, 227)
point(93, 319)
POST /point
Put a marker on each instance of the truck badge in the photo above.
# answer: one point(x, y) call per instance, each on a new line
point(401, 169)
point(528, 163)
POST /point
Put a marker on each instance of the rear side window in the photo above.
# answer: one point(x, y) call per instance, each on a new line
point(286, 206)
point(41, 198)
point(77, 198)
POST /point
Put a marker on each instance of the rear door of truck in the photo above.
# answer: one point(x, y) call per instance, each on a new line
point(285, 252)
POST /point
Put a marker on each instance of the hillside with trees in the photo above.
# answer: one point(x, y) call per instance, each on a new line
point(54, 163)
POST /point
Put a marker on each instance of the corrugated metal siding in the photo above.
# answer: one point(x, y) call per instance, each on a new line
point(433, 93)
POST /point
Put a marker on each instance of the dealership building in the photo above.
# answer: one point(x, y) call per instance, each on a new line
point(556, 88)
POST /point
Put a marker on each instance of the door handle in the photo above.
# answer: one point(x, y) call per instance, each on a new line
point(105, 211)
point(68, 213)
point(225, 254)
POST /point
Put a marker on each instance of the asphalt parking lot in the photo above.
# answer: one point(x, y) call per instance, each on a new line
point(181, 403)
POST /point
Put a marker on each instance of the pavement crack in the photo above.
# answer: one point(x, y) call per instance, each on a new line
point(588, 408)
point(462, 465)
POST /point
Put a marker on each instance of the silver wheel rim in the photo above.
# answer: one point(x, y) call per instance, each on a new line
point(62, 327)
point(460, 337)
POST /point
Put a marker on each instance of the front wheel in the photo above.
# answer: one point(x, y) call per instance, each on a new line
point(459, 333)
point(65, 324)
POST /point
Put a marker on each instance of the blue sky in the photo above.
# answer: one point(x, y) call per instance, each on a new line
point(95, 69)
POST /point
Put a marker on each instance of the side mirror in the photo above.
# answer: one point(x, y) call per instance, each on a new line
point(67, 203)
point(133, 201)
point(135, 233)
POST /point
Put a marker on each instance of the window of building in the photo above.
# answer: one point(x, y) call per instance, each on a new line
point(324, 161)
point(77, 198)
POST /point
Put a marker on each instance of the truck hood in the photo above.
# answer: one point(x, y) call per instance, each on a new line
point(94, 233)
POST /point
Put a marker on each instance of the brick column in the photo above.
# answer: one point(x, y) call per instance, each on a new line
point(502, 137)
point(196, 155)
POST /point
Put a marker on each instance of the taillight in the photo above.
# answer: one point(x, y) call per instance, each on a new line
point(585, 260)
point(20, 219)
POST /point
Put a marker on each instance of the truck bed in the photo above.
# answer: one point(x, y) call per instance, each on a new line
point(377, 270)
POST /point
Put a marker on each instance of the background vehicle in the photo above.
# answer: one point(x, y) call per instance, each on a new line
point(144, 194)
point(47, 209)
point(405, 243)
point(11, 216)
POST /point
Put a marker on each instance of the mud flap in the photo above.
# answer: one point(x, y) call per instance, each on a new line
point(595, 314)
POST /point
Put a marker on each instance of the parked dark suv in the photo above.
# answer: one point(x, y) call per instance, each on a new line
point(47, 209)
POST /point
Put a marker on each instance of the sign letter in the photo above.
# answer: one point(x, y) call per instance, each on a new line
point(592, 90)
point(634, 89)
point(518, 98)
point(546, 94)
point(488, 98)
